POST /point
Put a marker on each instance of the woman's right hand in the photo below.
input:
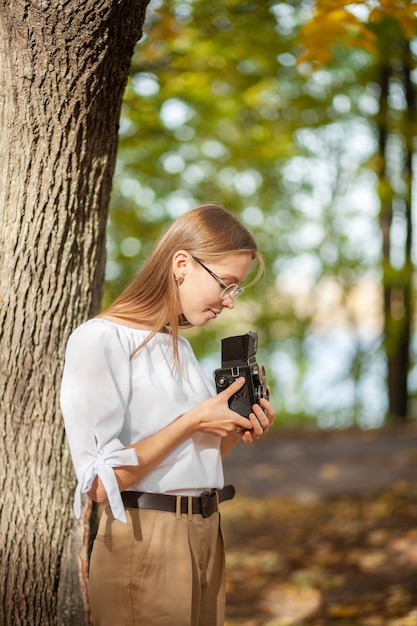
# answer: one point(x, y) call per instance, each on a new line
point(214, 415)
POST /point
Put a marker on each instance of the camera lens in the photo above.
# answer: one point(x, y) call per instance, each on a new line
point(262, 375)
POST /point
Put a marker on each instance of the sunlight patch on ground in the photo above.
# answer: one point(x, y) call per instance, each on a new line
point(287, 604)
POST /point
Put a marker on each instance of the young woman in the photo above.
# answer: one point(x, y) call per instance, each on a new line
point(147, 432)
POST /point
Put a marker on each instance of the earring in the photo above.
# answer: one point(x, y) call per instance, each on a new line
point(179, 280)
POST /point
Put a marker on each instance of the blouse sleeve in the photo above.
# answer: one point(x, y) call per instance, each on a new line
point(94, 396)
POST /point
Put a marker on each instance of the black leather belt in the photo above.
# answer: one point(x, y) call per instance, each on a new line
point(204, 505)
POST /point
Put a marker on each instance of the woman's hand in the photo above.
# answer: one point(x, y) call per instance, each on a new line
point(214, 415)
point(261, 420)
point(256, 426)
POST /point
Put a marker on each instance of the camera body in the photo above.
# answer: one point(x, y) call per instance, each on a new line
point(239, 359)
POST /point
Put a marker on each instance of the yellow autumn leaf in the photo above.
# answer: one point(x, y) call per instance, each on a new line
point(343, 612)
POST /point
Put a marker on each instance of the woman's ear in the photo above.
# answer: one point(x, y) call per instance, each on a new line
point(180, 263)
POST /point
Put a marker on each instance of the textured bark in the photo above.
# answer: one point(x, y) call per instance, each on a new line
point(63, 69)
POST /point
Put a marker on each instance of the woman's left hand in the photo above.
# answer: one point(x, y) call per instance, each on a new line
point(261, 419)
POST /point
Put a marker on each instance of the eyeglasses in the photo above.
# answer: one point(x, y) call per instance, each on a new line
point(228, 290)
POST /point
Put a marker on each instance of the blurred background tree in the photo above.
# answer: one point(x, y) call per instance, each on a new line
point(387, 30)
point(300, 119)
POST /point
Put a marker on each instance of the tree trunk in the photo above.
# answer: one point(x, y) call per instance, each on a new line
point(397, 281)
point(63, 69)
point(402, 308)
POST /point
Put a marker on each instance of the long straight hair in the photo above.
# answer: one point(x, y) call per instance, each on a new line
point(208, 232)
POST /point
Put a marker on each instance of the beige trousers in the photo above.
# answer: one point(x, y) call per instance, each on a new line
point(159, 569)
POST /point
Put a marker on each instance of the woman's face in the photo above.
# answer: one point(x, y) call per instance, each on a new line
point(200, 292)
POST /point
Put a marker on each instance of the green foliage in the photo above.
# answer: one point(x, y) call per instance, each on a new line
point(220, 107)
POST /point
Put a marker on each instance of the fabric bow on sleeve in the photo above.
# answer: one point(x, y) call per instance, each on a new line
point(111, 455)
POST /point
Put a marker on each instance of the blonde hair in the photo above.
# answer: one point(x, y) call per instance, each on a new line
point(208, 232)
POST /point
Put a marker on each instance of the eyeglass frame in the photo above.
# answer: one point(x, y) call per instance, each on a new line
point(232, 290)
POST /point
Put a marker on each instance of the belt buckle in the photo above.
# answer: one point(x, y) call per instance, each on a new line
point(208, 498)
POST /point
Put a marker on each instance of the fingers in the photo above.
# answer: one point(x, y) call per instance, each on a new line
point(233, 388)
point(261, 419)
point(268, 410)
point(247, 437)
point(262, 416)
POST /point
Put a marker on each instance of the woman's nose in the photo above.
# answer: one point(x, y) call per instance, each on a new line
point(229, 301)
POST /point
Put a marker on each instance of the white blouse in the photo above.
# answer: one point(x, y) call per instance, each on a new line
point(109, 401)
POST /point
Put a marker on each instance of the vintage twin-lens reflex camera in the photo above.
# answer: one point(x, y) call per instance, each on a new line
point(238, 359)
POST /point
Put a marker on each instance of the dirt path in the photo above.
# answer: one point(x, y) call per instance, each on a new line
point(308, 465)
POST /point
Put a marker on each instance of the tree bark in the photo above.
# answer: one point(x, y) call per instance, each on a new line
point(397, 282)
point(63, 70)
